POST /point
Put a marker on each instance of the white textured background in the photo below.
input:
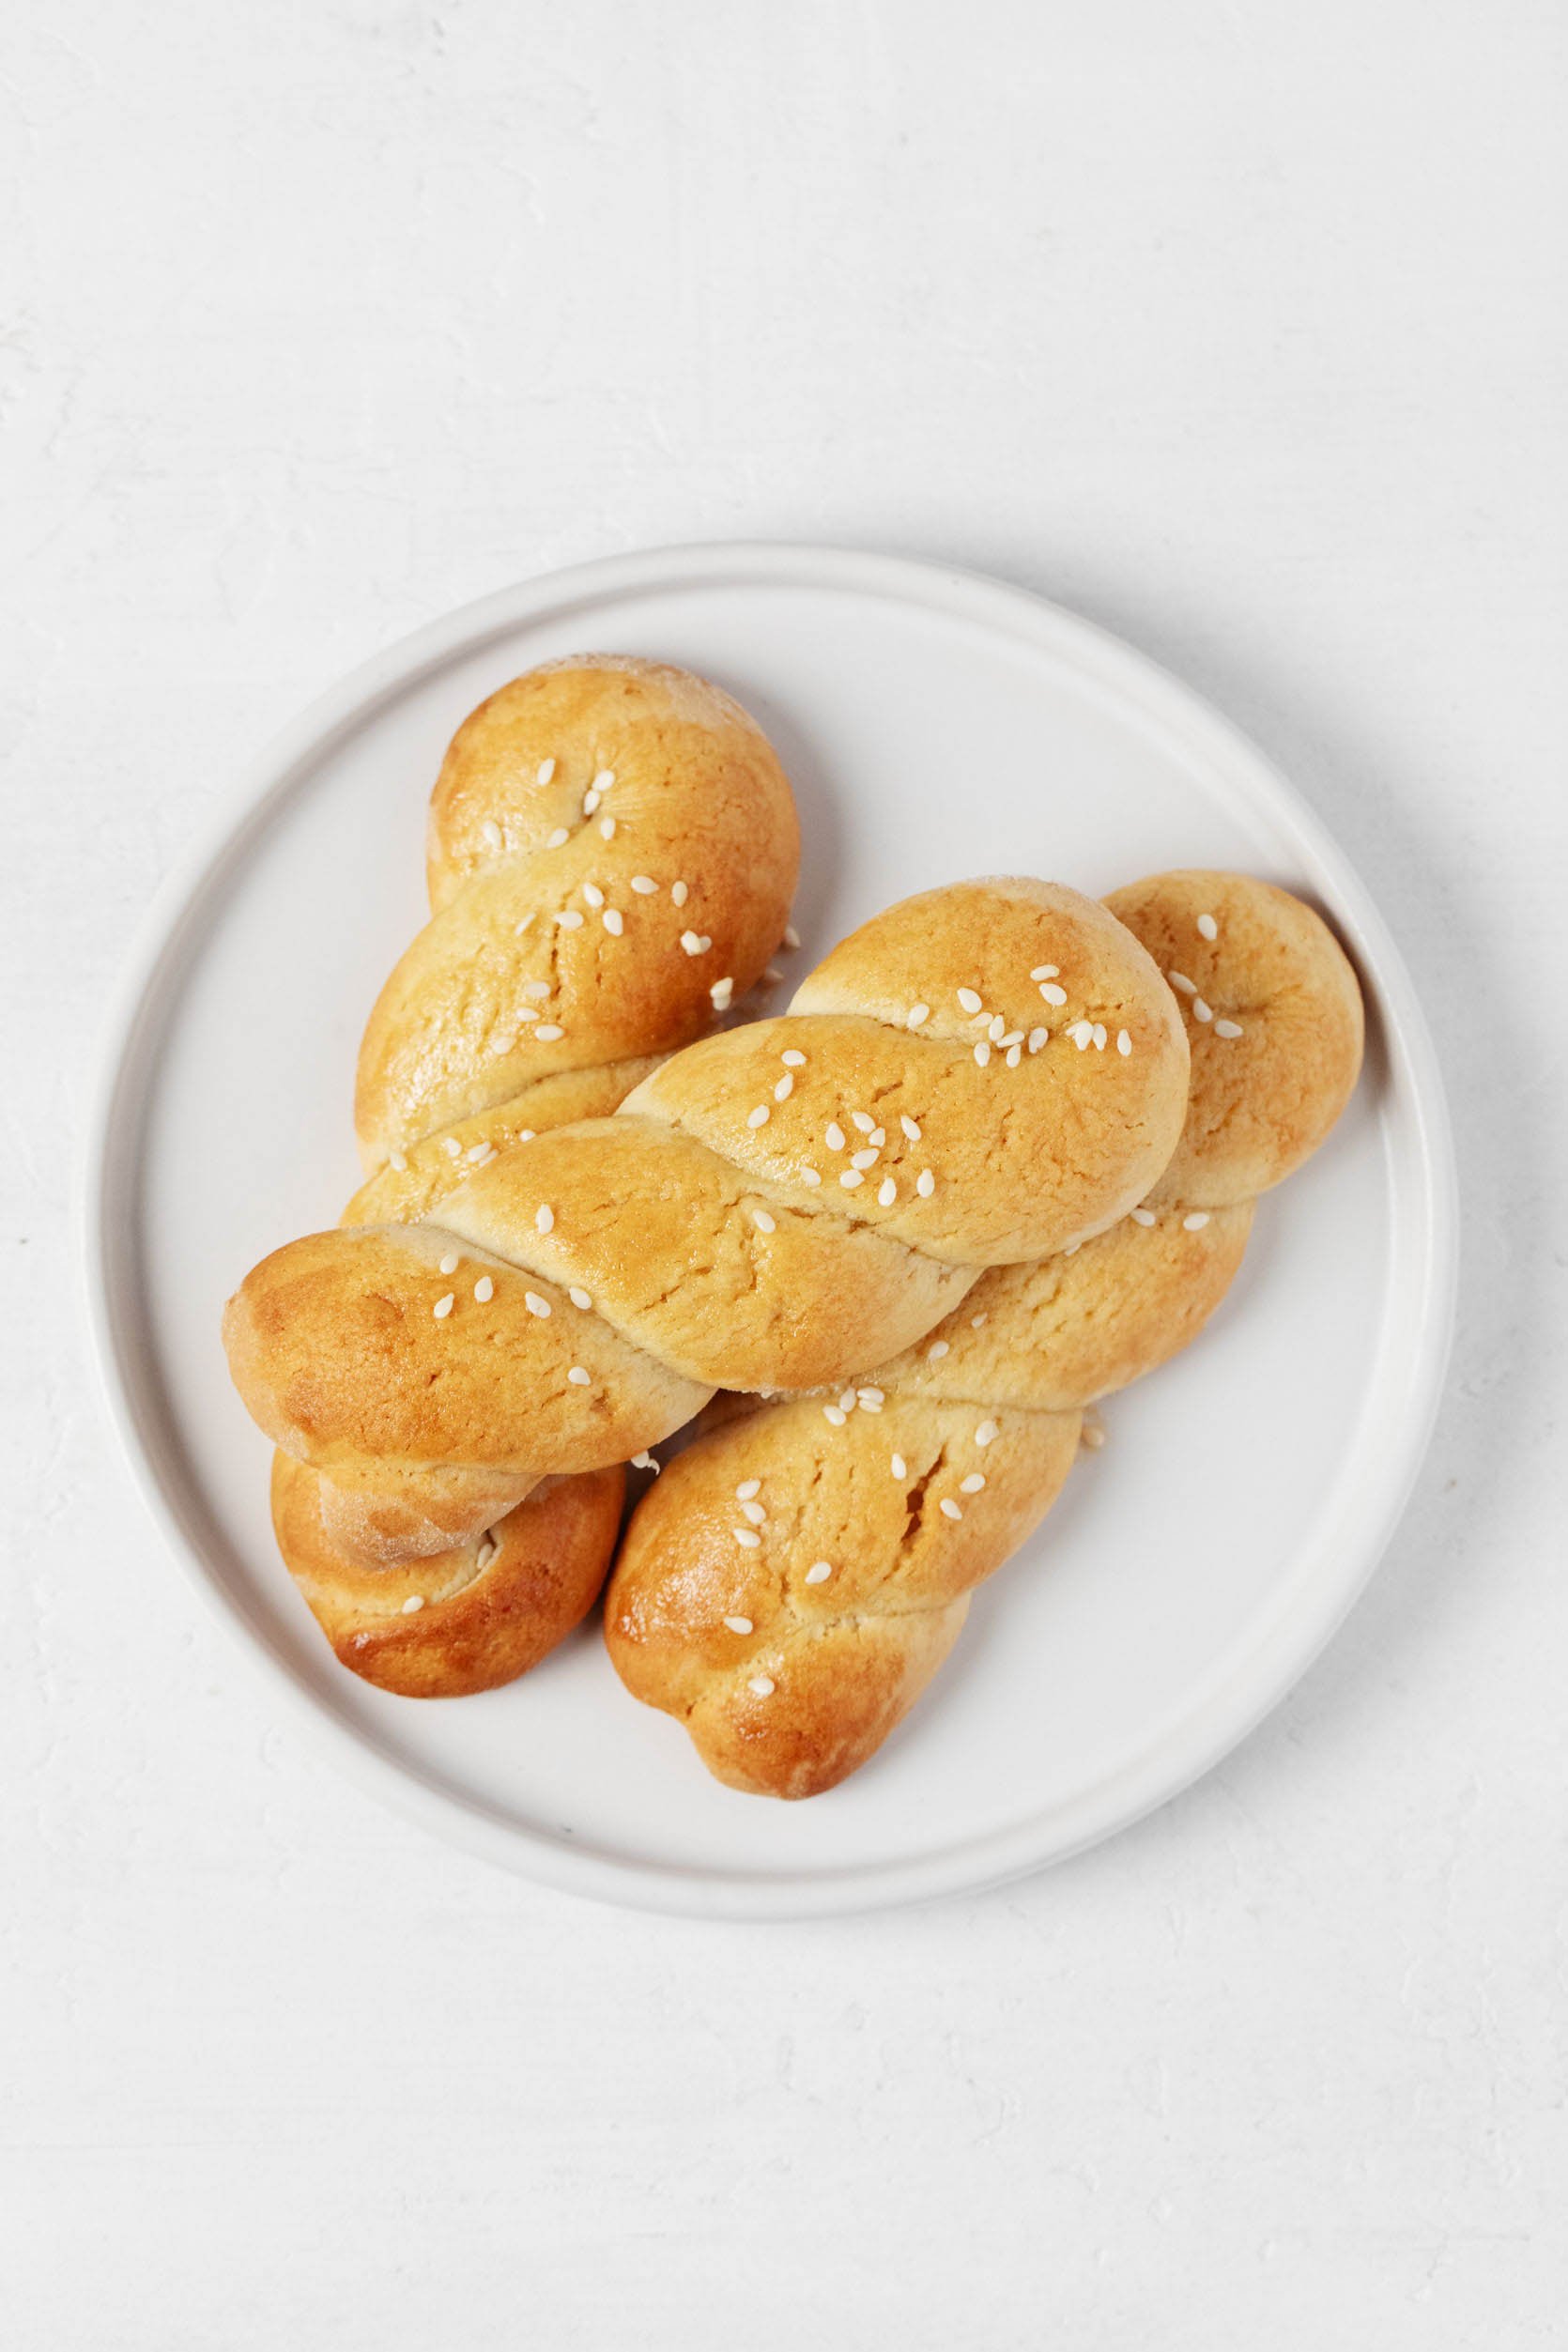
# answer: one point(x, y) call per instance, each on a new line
point(1239, 327)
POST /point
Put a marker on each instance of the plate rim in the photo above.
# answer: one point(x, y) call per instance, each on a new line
point(1213, 1721)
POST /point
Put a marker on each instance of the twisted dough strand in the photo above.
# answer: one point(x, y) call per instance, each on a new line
point(798, 1574)
point(579, 1297)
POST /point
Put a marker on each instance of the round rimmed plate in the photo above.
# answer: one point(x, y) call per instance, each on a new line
point(934, 724)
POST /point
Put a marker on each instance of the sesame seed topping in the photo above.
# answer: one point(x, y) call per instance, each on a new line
point(864, 1120)
point(605, 778)
point(558, 838)
point(614, 921)
point(579, 1297)
point(763, 1684)
point(491, 834)
point(1082, 1033)
point(1228, 1028)
point(1045, 971)
point(536, 989)
point(504, 1044)
point(1052, 993)
point(970, 999)
point(898, 1466)
point(819, 1572)
point(1195, 1221)
point(524, 1135)
point(1011, 1037)
point(412, 1606)
point(836, 1414)
point(909, 1127)
point(1036, 1038)
point(916, 1014)
point(851, 1178)
point(1124, 1041)
point(607, 828)
point(792, 937)
point(694, 944)
point(1208, 926)
point(764, 1223)
point(448, 1264)
point(589, 802)
point(1092, 1435)
point(534, 1305)
point(810, 1176)
point(593, 893)
point(784, 1088)
point(849, 1399)
point(997, 1029)
point(1143, 1216)
point(544, 1218)
point(1015, 1056)
point(678, 893)
point(739, 1624)
point(570, 918)
point(925, 1184)
point(971, 1484)
point(986, 1433)
point(834, 1136)
point(477, 1154)
point(579, 1376)
point(793, 1058)
point(756, 1515)
point(485, 1290)
point(545, 772)
point(887, 1192)
point(1100, 1036)
point(549, 1030)
point(644, 886)
point(950, 1510)
point(1180, 980)
point(759, 1117)
point(443, 1307)
point(863, 1159)
point(747, 1538)
point(771, 977)
point(452, 1147)
point(938, 1348)
point(1201, 1011)
point(395, 1159)
point(870, 1397)
point(976, 1321)
point(527, 924)
point(747, 1488)
point(643, 1461)
point(983, 1052)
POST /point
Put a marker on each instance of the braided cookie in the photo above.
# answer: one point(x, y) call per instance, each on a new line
point(610, 855)
point(982, 1075)
point(798, 1574)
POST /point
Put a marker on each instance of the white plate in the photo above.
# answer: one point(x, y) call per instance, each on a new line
point(934, 725)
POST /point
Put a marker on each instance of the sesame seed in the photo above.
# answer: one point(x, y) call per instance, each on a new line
point(524, 1135)
point(1142, 1217)
point(887, 1192)
point(1072, 1249)
point(763, 1684)
point(739, 1624)
point(863, 1159)
point(971, 1484)
point(555, 840)
point(644, 886)
point(836, 1414)
point(414, 1602)
point(848, 1400)
point(760, 1116)
point(524, 1012)
point(764, 1223)
point(543, 771)
point(970, 999)
point(1092, 1435)
point(747, 1488)
point(1100, 1036)
point(614, 921)
point(916, 1014)
point(819, 1572)
point(1052, 993)
point(986, 1433)
point(694, 944)
point(534, 1305)
point(851, 1178)
point(898, 1466)
point(1208, 926)
point(485, 1552)
point(579, 1376)
point(579, 1297)
point(976, 1321)
point(793, 1058)
point(784, 1088)
point(925, 1184)
point(810, 1176)
point(792, 937)
point(536, 989)
point(477, 1154)
point(1124, 1041)
point(1180, 980)
point(722, 991)
point(1201, 1011)
point(678, 892)
point(605, 778)
point(607, 828)
point(1015, 1056)
point(570, 918)
point(1010, 1038)
point(950, 1510)
point(997, 1029)
point(525, 925)
point(549, 1030)
point(448, 1264)
point(504, 1044)
point(443, 1307)
point(1045, 971)
point(1195, 1221)
point(756, 1515)
point(864, 1120)
point(643, 1461)
point(1082, 1033)
point(1036, 1038)
point(544, 1218)
point(909, 1127)
point(771, 977)
point(1228, 1028)
point(452, 1147)
point(870, 1397)
point(395, 1159)
point(589, 802)
point(491, 834)
point(747, 1538)
point(983, 1052)
point(593, 893)
point(834, 1136)
point(938, 1348)
point(485, 1290)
